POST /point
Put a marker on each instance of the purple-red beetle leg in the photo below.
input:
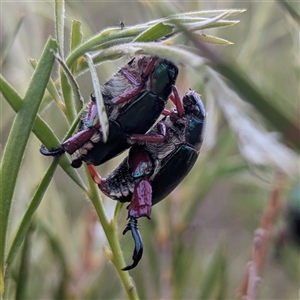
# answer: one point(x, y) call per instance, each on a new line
point(133, 78)
point(149, 68)
point(160, 137)
point(75, 142)
point(127, 95)
point(140, 205)
point(138, 82)
point(166, 112)
point(175, 98)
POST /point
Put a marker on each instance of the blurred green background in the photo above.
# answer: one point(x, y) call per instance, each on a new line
point(224, 196)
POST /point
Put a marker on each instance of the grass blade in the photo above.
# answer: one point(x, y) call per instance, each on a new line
point(28, 216)
point(76, 39)
point(17, 140)
point(78, 99)
point(9, 43)
point(99, 100)
point(155, 32)
point(60, 24)
point(51, 89)
point(41, 130)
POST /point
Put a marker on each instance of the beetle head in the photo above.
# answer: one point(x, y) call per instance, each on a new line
point(195, 113)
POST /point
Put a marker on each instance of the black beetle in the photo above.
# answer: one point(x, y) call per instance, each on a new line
point(157, 162)
point(134, 98)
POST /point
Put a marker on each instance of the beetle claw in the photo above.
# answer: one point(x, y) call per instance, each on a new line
point(138, 243)
point(54, 152)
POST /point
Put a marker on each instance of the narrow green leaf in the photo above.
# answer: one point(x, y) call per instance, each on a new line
point(28, 216)
point(99, 99)
point(203, 24)
point(110, 34)
point(51, 89)
point(23, 275)
point(76, 34)
point(41, 130)
point(18, 137)
point(213, 39)
point(105, 36)
point(175, 54)
point(218, 24)
point(201, 14)
point(8, 44)
point(76, 40)
point(155, 32)
point(67, 95)
point(78, 99)
point(60, 24)
point(114, 42)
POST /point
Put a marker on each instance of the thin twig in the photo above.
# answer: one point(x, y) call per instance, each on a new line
point(260, 244)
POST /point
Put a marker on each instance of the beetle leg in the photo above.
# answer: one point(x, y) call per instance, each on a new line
point(72, 144)
point(94, 174)
point(160, 137)
point(140, 205)
point(138, 82)
point(175, 98)
point(138, 242)
point(131, 77)
point(165, 112)
point(127, 95)
point(149, 68)
point(78, 140)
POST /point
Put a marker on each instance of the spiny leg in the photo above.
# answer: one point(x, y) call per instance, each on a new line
point(138, 82)
point(161, 135)
point(139, 206)
point(138, 243)
point(175, 98)
point(72, 144)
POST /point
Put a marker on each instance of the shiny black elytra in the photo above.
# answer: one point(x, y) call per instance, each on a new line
point(134, 99)
point(156, 164)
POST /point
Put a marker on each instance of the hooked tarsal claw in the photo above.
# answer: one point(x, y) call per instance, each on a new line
point(138, 243)
point(55, 152)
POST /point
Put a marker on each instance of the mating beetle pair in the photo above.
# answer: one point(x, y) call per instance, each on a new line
point(156, 165)
point(159, 160)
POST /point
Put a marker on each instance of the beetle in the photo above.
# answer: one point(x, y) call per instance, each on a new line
point(157, 162)
point(134, 98)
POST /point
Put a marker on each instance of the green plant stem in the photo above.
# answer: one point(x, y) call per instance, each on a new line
point(110, 230)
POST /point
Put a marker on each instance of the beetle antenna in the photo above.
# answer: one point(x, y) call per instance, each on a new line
point(138, 243)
